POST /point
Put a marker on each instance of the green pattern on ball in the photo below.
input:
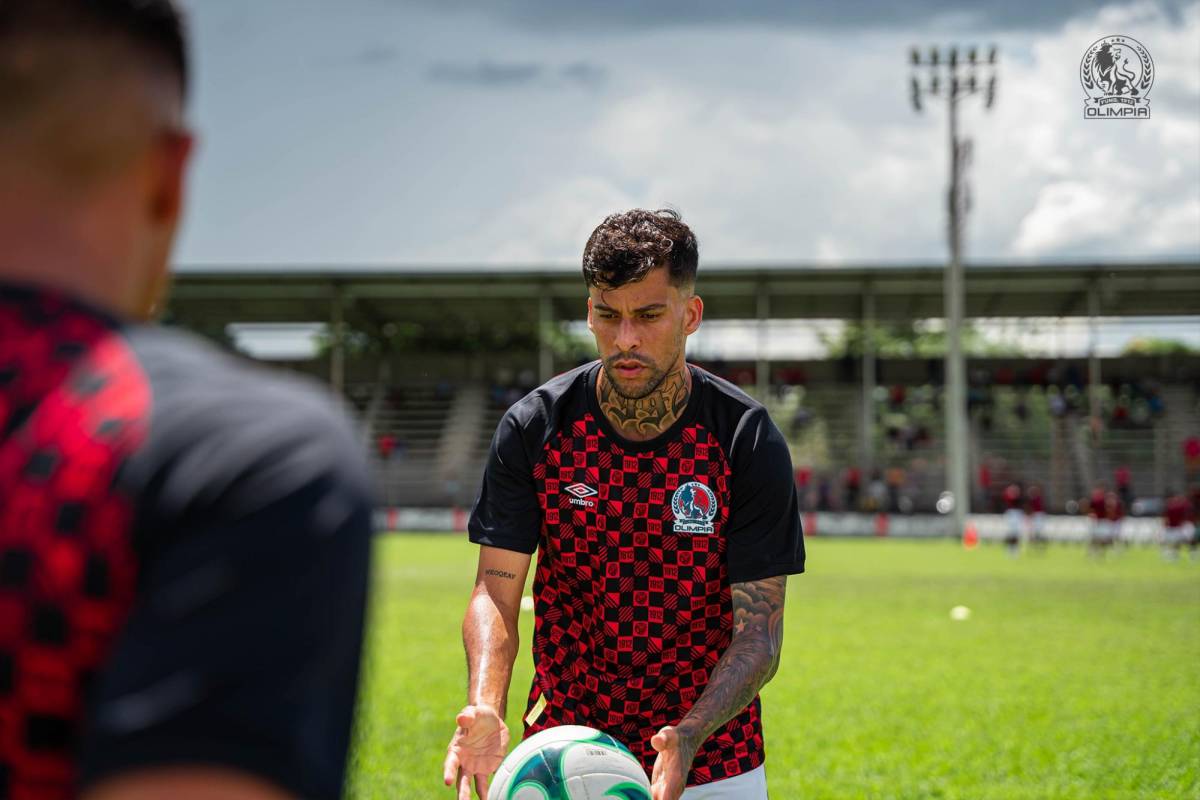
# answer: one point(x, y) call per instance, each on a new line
point(627, 791)
point(543, 770)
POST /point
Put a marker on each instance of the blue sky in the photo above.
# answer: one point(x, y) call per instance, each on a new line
point(373, 132)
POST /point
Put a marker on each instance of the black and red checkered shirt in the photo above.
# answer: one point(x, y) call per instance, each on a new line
point(638, 543)
point(183, 559)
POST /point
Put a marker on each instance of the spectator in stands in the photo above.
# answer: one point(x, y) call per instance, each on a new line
point(1123, 479)
point(895, 477)
point(824, 493)
point(1191, 457)
point(800, 419)
point(984, 496)
point(803, 480)
point(1056, 402)
point(1021, 409)
point(852, 482)
point(386, 446)
point(877, 492)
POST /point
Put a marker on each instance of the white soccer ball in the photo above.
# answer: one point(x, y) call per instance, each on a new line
point(960, 613)
point(570, 762)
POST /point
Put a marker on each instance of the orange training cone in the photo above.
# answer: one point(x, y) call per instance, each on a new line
point(970, 536)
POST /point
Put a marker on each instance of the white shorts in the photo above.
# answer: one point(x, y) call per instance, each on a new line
point(750, 785)
point(1178, 535)
point(1039, 522)
point(1015, 520)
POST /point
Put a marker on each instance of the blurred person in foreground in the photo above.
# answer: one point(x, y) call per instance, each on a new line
point(183, 538)
point(662, 505)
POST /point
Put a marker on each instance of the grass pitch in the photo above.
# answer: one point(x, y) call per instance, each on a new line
point(1072, 678)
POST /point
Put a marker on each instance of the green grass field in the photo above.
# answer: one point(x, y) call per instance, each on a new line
point(1071, 679)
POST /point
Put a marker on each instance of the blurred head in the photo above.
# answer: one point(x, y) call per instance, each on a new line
point(93, 146)
point(640, 268)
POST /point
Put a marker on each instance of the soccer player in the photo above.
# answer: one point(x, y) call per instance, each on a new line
point(1175, 531)
point(661, 502)
point(183, 538)
point(1036, 510)
point(1099, 536)
point(1014, 519)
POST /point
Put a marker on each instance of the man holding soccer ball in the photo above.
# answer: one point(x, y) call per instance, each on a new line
point(661, 502)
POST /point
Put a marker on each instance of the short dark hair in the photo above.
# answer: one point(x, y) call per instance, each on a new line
point(155, 27)
point(626, 246)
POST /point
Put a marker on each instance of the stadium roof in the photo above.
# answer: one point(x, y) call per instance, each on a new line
point(449, 295)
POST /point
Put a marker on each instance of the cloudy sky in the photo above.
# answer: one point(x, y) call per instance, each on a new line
point(372, 132)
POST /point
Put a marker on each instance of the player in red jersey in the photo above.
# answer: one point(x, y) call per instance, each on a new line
point(1014, 519)
point(1099, 529)
point(183, 538)
point(1176, 533)
point(661, 502)
point(1114, 515)
point(1035, 507)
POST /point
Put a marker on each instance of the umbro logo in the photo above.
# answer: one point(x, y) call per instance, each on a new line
point(579, 493)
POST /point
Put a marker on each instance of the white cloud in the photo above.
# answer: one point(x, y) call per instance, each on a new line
point(1055, 184)
point(828, 162)
point(1070, 213)
point(780, 144)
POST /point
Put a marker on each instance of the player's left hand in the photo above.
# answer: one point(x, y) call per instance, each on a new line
point(669, 778)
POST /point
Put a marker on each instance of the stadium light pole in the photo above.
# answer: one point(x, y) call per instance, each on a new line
point(955, 79)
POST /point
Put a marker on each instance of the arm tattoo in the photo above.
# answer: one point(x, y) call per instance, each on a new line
point(748, 663)
point(649, 415)
point(499, 573)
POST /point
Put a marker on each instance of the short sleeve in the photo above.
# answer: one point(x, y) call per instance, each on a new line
point(507, 513)
point(763, 532)
point(242, 648)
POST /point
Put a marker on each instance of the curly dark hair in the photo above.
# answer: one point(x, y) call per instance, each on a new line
point(626, 246)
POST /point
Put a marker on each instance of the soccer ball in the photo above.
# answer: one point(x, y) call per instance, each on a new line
point(570, 762)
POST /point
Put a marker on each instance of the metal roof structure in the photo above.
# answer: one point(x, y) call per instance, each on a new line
point(454, 295)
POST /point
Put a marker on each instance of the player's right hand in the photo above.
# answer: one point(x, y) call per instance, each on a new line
point(476, 750)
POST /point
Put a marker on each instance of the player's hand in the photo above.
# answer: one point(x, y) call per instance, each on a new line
point(669, 778)
point(476, 750)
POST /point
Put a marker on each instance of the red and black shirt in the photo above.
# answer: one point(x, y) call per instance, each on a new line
point(638, 543)
point(184, 547)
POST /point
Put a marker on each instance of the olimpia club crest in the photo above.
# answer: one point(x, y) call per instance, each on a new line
point(1117, 73)
point(695, 508)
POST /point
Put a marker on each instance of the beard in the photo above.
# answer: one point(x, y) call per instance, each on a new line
point(641, 388)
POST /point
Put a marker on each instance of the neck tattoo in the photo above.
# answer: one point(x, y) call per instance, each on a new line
point(648, 416)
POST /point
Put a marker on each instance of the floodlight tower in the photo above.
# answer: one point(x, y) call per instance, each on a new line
point(954, 79)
